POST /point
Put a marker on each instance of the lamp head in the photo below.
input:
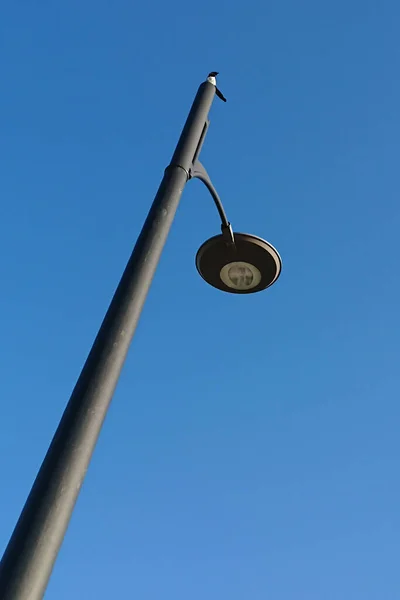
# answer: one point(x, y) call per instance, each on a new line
point(249, 265)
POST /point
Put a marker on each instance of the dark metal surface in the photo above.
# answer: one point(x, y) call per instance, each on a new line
point(199, 172)
point(30, 555)
point(215, 253)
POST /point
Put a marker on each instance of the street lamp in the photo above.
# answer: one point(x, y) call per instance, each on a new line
point(232, 262)
point(248, 265)
point(238, 263)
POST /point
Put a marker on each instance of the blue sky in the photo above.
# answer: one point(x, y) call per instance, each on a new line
point(252, 449)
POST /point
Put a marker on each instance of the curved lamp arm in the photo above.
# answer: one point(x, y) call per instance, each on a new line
point(199, 172)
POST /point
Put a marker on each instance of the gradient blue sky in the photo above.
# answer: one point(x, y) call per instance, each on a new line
point(252, 448)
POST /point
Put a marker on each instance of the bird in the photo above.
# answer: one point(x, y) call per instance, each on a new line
point(212, 78)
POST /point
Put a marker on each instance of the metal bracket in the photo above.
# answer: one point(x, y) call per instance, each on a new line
point(201, 141)
point(227, 234)
point(198, 171)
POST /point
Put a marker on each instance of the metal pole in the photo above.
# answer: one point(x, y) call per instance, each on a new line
point(29, 558)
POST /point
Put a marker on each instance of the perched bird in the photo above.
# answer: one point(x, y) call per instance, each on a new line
point(212, 78)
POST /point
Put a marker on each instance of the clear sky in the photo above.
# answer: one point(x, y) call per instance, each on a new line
point(252, 447)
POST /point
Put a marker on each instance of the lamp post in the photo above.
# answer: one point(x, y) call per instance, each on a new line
point(237, 263)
